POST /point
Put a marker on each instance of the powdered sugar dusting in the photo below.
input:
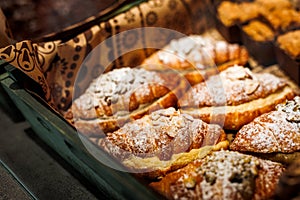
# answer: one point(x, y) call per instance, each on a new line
point(116, 88)
point(201, 51)
point(267, 179)
point(162, 133)
point(238, 84)
point(225, 175)
point(221, 175)
point(254, 138)
point(271, 132)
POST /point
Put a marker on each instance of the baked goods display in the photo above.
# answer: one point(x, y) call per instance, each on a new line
point(287, 49)
point(278, 13)
point(162, 141)
point(230, 14)
point(275, 134)
point(259, 26)
point(235, 97)
point(121, 95)
point(290, 43)
point(258, 37)
point(198, 119)
point(259, 31)
point(166, 127)
point(194, 121)
point(282, 20)
point(222, 175)
point(196, 57)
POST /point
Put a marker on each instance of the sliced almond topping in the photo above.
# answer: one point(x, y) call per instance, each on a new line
point(251, 86)
point(236, 73)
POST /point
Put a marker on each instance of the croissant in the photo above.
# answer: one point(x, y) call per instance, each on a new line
point(123, 94)
point(196, 57)
point(235, 97)
point(272, 133)
point(222, 175)
point(162, 141)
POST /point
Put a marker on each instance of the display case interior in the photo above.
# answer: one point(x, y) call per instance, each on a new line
point(141, 125)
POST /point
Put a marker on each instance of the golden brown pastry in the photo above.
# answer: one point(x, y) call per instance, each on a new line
point(162, 141)
point(273, 132)
point(235, 97)
point(196, 57)
point(120, 95)
point(282, 20)
point(271, 5)
point(259, 31)
point(290, 43)
point(222, 175)
point(231, 13)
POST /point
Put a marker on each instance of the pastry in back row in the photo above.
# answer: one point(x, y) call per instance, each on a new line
point(122, 95)
point(235, 97)
point(222, 175)
point(274, 135)
point(288, 54)
point(196, 57)
point(162, 141)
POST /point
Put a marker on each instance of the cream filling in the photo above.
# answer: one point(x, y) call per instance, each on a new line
point(180, 159)
point(244, 107)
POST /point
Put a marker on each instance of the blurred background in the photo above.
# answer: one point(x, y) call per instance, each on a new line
point(29, 19)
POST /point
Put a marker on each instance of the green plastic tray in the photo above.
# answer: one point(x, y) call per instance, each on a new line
point(64, 139)
point(6, 103)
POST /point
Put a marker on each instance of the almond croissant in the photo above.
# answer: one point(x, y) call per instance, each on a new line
point(120, 95)
point(196, 57)
point(235, 97)
point(222, 175)
point(162, 141)
point(273, 132)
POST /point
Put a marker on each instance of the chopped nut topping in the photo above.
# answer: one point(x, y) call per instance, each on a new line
point(292, 108)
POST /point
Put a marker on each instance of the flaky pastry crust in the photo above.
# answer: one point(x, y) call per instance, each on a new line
point(273, 132)
point(222, 175)
point(162, 141)
point(235, 97)
point(196, 57)
point(120, 96)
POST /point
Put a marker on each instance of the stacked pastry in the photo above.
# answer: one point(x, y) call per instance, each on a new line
point(125, 94)
point(120, 96)
point(256, 25)
point(167, 127)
